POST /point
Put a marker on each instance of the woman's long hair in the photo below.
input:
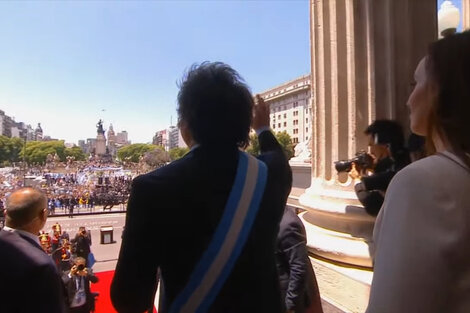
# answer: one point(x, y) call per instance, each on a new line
point(448, 66)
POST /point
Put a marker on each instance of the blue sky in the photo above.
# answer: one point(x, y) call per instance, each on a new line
point(62, 63)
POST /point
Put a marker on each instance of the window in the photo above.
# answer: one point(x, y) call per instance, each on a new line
point(279, 125)
point(285, 115)
point(306, 120)
point(296, 130)
point(296, 122)
point(274, 126)
point(296, 113)
point(285, 124)
point(306, 130)
point(295, 140)
point(279, 116)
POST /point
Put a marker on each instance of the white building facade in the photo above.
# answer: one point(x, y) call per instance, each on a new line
point(290, 108)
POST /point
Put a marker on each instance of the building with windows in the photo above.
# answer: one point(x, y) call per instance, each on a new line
point(121, 138)
point(290, 108)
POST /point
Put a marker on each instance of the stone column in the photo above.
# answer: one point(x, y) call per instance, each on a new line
point(466, 14)
point(363, 56)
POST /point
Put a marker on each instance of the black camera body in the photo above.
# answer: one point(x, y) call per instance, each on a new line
point(363, 160)
point(81, 267)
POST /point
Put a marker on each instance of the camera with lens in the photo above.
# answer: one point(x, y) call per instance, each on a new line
point(80, 267)
point(362, 160)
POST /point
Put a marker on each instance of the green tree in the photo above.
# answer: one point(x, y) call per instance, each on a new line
point(282, 137)
point(156, 157)
point(10, 149)
point(177, 153)
point(134, 152)
point(75, 152)
point(253, 147)
point(37, 151)
point(286, 143)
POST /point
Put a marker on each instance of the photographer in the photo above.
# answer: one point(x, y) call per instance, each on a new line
point(82, 243)
point(386, 143)
point(77, 283)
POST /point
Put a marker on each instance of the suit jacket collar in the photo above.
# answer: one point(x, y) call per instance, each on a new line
point(32, 241)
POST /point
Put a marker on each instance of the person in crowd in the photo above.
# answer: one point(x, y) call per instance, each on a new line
point(422, 235)
point(77, 283)
point(82, 243)
point(387, 147)
point(29, 278)
point(298, 282)
point(216, 110)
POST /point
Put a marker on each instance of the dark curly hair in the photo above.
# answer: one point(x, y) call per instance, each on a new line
point(448, 65)
point(216, 104)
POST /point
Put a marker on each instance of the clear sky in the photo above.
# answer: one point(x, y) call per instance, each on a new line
point(62, 63)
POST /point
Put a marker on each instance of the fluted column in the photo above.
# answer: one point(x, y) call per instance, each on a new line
point(363, 55)
point(466, 14)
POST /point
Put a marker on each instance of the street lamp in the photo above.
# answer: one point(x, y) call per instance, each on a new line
point(448, 18)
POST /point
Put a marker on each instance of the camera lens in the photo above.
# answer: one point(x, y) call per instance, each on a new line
point(81, 267)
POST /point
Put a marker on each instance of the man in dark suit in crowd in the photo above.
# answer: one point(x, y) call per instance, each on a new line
point(298, 282)
point(82, 243)
point(77, 283)
point(29, 281)
point(173, 212)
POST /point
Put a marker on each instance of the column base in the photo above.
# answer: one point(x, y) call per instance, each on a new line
point(338, 228)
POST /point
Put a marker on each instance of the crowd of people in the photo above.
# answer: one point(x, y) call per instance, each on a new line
point(79, 189)
point(237, 248)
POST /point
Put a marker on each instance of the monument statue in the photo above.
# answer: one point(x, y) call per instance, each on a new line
point(99, 127)
point(303, 152)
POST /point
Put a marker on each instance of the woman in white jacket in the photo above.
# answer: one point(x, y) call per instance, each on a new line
point(422, 234)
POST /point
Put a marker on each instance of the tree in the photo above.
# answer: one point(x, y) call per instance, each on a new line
point(134, 152)
point(253, 147)
point(10, 149)
point(177, 153)
point(282, 137)
point(37, 151)
point(286, 143)
point(156, 157)
point(75, 152)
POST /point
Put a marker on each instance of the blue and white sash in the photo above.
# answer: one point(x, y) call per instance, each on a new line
point(231, 234)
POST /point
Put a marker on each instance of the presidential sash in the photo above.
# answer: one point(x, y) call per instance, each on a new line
point(229, 238)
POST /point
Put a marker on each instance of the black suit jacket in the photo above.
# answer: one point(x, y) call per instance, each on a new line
point(171, 218)
point(297, 279)
point(71, 287)
point(29, 281)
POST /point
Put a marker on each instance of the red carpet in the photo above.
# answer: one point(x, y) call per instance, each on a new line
point(103, 303)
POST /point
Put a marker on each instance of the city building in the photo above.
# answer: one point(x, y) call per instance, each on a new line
point(173, 136)
point(38, 133)
point(161, 139)
point(121, 138)
point(6, 124)
point(290, 108)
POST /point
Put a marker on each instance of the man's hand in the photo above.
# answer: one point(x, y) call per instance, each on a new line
point(354, 173)
point(260, 114)
point(73, 270)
